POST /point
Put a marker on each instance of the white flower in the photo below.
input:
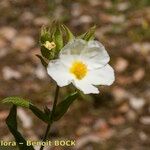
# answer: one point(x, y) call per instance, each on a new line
point(84, 64)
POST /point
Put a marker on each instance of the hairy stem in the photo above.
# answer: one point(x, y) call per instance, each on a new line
point(52, 115)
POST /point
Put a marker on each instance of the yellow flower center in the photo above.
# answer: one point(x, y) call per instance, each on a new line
point(79, 69)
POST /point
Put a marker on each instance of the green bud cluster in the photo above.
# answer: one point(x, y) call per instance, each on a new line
point(54, 37)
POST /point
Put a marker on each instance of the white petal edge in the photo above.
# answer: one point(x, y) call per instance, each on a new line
point(101, 76)
point(85, 87)
point(95, 54)
point(59, 73)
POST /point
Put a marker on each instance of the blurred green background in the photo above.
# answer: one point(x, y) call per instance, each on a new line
point(116, 119)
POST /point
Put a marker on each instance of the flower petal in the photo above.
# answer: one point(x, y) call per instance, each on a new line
point(85, 87)
point(101, 76)
point(74, 47)
point(67, 60)
point(59, 73)
point(95, 54)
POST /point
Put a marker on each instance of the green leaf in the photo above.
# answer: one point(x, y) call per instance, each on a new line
point(89, 35)
point(69, 34)
point(26, 104)
point(11, 122)
point(58, 37)
point(44, 63)
point(16, 101)
point(12, 119)
point(43, 116)
point(63, 106)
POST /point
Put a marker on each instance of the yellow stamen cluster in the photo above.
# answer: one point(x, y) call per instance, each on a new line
point(49, 45)
point(79, 69)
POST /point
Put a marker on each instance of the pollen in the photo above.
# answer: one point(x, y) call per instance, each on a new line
point(78, 69)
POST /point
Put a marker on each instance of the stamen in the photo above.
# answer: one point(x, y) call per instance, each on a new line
point(79, 69)
point(49, 45)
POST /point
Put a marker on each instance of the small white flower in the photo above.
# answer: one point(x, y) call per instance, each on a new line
point(84, 64)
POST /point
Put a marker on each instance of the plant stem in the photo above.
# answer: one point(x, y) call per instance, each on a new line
point(51, 117)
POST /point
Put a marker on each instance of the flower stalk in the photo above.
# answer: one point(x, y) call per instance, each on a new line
point(52, 115)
